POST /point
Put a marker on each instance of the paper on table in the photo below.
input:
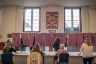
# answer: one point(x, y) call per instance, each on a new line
point(47, 48)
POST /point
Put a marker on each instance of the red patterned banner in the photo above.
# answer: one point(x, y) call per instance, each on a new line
point(16, 39)
point(31, 37)
point(88, 36)
point(48, 40)
point(72, 39)
point(52, 20)
point(94, 39)
point(64, 39)
point(80, 39)
point(42, 39)
point(25, 38)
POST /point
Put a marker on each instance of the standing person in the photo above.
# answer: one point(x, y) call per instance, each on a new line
point(87, 50)
point(56, 43)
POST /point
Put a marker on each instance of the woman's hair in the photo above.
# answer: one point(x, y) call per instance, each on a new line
point(88, 42)
point(36, 48)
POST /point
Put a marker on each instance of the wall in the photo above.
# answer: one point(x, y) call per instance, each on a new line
point(60, 11)
point(88, 19)
point(92, 19)
point(0, 17)
point(12, 19)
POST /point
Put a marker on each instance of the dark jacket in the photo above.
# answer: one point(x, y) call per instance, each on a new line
point(9, 50)
point(56, 44)
point(7, 58)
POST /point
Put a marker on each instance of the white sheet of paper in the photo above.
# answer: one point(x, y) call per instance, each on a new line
point(47, 48)
point(27, 49)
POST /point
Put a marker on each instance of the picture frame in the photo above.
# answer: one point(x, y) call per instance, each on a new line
point(51, 20)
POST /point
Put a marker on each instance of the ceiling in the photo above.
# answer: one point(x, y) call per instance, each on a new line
point(36, 3)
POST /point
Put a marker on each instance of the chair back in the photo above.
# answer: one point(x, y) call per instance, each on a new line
point(36, 58)
point(64, 57)
point(7, 58)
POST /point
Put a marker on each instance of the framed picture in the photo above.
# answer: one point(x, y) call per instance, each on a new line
point(9, 35)
point(51, 20)
point(52, 31)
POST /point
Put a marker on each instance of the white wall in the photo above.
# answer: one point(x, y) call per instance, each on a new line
point(0, 17)
point(92, 19)
point(12, 20)
point(88, 19)
point(60, 11)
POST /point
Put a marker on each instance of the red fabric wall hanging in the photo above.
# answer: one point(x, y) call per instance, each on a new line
point(25, 38)
point(42, 39)
point(80, 39)
point(31, 37)
point(16, 39)
point(94, 39)
point(88, 36)
point(64, 39)
point(72, 40)
point(48, 40)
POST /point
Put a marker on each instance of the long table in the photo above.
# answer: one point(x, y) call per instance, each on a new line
point(73, 59)
point(19, 57)
point(24, 58)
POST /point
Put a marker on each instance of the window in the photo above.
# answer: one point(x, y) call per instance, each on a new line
point(32, 19)
point(72, 20)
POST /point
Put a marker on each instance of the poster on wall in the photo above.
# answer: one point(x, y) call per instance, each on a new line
point(51, 20)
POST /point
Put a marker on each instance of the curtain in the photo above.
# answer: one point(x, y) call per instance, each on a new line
point(16, 39)
point(72, 40)
point(24, 38)
point(48, 39)
point(42, 39)
point(80, 39)
point(31, 37)
point(64, 38)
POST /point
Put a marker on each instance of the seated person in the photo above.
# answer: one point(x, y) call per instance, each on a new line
point(7, 56)
point(61, 53)
point(8, 47)
point(36, 56)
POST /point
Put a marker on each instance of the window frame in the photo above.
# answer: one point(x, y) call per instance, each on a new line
point(72, 19)
point(32, 19)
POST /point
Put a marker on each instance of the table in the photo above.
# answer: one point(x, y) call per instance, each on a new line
point(24, 57)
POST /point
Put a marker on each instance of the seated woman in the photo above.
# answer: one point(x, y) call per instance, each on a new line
point(62, 55)
point(36, 56)
point(7, 56)
point(8, 47)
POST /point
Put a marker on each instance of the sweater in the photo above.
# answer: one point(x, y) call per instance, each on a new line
point(86, 50)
